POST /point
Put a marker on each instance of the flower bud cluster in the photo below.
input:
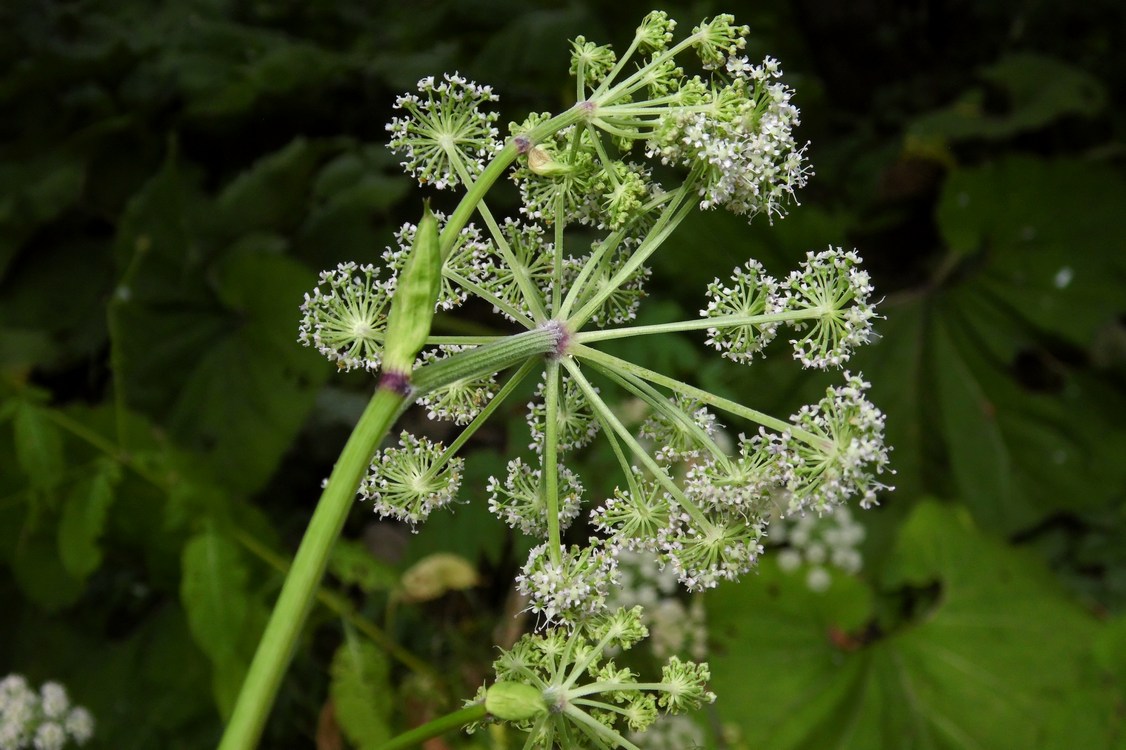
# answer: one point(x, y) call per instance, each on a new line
point(591, 701)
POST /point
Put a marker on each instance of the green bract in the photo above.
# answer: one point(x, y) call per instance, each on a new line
point(412, 306)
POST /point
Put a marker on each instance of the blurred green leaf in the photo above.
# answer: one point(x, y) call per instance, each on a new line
point(354, 564)
point(39, 445)
point(273, 192)
point(1051, 232)
point(210, 347)
point(361, 693)
point(214, 593)
point(84, 519)
point(38, 570)
point(1038, 91)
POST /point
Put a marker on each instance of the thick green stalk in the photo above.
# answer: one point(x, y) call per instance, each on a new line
point(437, 727)
point(276, 648)
point(551, 461)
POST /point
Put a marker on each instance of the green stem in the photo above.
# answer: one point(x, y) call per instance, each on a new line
point(527, 289)
point(279, 640)
point(487, 359)
point(551, 461)
point(341, 606)
point(709, 399)
point(719, 321)
point(674, 213)
point(437, 727)
point(643, 456)
point(482, 417)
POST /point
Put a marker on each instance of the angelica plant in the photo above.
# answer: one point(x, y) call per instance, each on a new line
point(701, 509)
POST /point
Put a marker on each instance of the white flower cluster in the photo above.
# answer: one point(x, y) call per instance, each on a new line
point(576, 423)
point(845, 462)
point(832, 284)
point(460, 401)
point(520, 500)
point(459, 268)
point(752, 293)
point(446, 136)
point(408, 483)
point(572, 589)
point(346, 319)
point(826, 298)
point(44, 720)
point(820, 543)
point(743, 133)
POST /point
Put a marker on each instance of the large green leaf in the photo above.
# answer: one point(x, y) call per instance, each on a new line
point(207, 346)
point(361, 692)
point(214, 593)
point(1050, 233)
point(39, 445)
point(982, 376)
point(983, 666)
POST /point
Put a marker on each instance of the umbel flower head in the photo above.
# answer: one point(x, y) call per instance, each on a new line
point(586, 700)
point(446, 136)
point(692, 496)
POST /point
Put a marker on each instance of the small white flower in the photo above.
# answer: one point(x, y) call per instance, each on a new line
point(572, 590)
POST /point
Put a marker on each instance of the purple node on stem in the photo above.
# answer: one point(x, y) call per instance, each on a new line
point(399, 382)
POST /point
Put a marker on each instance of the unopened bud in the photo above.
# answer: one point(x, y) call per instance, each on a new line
point(514, 701)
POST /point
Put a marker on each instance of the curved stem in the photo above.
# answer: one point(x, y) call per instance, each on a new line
point(437, 727)
point(275, 649)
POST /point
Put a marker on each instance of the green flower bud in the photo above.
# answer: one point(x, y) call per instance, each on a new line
point(412, 306)
point(514, 701)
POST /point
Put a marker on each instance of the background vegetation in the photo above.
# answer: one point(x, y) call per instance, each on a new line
point(174, 175)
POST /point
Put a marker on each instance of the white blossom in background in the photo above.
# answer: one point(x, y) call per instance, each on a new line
point(817, 544)
point(675, 627)
point(43, 720)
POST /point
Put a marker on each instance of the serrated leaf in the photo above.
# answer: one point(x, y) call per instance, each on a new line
point(361, 692)
point(84, 519)
point(39, 445)
point(213, 592)
point(983, 667)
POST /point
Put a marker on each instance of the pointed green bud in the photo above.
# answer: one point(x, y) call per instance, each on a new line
point(514, 701)
point(412, 306)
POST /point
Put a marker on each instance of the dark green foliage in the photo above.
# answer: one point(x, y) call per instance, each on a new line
point(174, 175)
